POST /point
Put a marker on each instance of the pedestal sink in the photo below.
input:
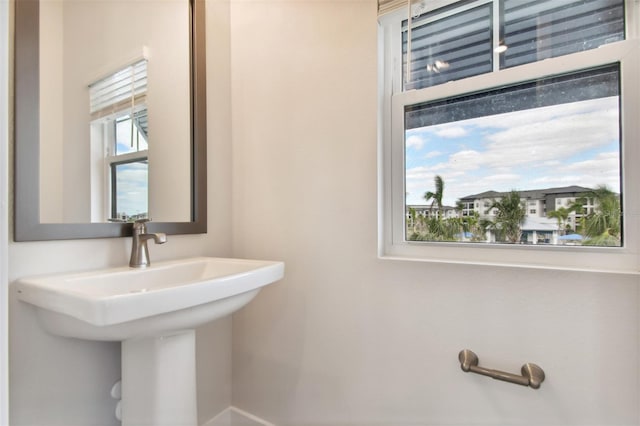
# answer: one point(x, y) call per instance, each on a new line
point(154, 312)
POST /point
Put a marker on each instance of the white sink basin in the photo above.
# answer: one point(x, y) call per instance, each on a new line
point(153, 311)
point(124, 303)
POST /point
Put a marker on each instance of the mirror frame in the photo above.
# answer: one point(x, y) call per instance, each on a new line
point(27, 226)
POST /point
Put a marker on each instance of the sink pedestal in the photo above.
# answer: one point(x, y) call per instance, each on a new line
point(159, 380)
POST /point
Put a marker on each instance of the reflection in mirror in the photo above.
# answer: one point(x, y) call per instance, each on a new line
point(118, 91)
point(120, 146)
point(110, 59)
point(127, 164)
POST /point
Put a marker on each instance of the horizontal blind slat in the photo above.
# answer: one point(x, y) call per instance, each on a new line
point(387, 6)
point(532, 30)
point(537, 30)
point(121, 86)
point(460, 43)
point(118, 107)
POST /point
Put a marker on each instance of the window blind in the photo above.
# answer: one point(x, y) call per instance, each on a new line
point(122, 89)
point(539, 29)
point(386, 6)
point(458, 41)
point(449, 48)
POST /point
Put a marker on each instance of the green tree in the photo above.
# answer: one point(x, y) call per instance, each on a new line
point(561, 214)
point(437, 195)
point(602, 226)
point(510, 216)
point(474, 225)
point(435, 229)
point(414, 220)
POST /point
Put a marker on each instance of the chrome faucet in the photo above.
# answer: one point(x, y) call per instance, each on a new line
point(139, 249)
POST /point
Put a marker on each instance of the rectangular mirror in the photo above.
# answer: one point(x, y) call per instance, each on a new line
point(110, 118)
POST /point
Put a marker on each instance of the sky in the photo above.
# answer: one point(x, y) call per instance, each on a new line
point(132, 178)
point(133, 188)
point(561, 145)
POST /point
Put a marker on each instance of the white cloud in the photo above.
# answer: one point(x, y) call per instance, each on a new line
point(603, 162)
point(465, 160)
point(414, 141)
point(133, 188)
point(433, 154)
point(551, 133)
point(502, 178)
point(525, 150)
point(451, 131)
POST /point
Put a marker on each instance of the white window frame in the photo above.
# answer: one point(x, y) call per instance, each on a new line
point(392, 242)
point(113, 159)
point(103, 142)
point(112, 95)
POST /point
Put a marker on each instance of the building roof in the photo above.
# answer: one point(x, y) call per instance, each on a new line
point(428, 207)
point(531, 194)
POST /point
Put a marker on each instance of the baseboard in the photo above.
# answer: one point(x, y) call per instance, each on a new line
point(232, 416)
point(221, 419)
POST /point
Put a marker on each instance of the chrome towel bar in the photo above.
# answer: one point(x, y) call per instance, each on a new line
point(532, 375)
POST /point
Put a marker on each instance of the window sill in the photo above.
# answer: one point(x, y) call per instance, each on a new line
point(594, 260)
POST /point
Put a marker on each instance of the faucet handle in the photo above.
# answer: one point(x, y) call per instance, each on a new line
point(139, 226)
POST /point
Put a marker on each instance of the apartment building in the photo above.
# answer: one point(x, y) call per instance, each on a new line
point(538, 226)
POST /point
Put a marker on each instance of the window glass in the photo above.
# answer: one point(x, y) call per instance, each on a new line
point(536, 143)
point(523, 150)
point(130, 190)
point(535, 30)
point(131, 136)
point(448, 48)
point(475, 37)
point(119, 140)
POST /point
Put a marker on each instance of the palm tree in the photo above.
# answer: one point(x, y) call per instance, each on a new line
point(561, 214)
point(475, 226)
point(414, 220)
point(437, 195)
point(510, 216)
point(602, 226)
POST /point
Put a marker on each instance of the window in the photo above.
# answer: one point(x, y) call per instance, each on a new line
point(525, 137)
point(129, 167)
point(119, 130)
point(516, 106)
point(468, 38)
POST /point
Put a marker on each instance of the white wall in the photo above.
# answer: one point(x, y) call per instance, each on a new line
point(4, 215)
point(348, 339)
point(51, 121)
point(56, 381)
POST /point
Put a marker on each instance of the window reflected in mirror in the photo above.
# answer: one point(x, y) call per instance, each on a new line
point(129, 170)
point(120, 145)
